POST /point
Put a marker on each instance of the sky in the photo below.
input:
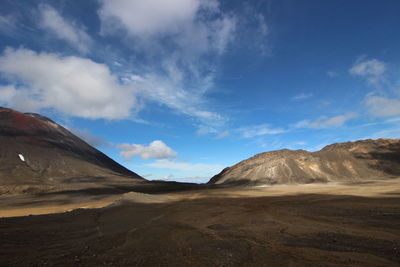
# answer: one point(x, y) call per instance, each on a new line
point(177, 90)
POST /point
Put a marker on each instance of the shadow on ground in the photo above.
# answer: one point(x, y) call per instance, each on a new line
point(304, 230)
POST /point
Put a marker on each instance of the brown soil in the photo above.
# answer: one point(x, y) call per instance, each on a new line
point(307, 225)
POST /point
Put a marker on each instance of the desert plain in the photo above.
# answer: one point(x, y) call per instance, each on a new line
point(334, 224)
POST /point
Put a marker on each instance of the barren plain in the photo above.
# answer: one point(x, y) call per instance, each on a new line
point(353, 224)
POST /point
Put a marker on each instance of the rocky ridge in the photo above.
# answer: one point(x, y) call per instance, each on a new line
point(349, 161)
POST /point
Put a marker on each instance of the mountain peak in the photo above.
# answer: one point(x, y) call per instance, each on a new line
point(37, 151)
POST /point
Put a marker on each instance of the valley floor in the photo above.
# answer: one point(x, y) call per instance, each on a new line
point(354, 224)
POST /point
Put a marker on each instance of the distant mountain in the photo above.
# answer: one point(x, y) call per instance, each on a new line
point(350, 161)
point(36, 152)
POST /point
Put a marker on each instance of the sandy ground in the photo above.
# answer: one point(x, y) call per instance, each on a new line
point(355, 224)
point(24, 205)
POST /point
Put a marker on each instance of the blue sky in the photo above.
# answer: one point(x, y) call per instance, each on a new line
point(179, 89)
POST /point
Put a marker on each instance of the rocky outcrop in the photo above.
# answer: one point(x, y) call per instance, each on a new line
point(350, 161)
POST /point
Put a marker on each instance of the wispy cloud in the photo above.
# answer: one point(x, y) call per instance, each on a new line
point(259, 130)
point(302, 96)
point(155, 150)
point(326, 122)
point(300, 143)
point(263, 33)
point(382, 106)
point(180, 43)
point(372, 70)
point(64, 29)
point(211, 130)
point(222, 135)
point(165, 91)
point(185, 166)
point(386, 133)
point(206, 129)
point(168, 54)
point(7, 24)
point(383, 102)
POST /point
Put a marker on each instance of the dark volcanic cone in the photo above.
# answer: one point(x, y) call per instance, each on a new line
point(351, 161)
point(35, 151)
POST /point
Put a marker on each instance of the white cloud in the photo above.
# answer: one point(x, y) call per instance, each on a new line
point(7, 93)
point(193, 24)
point(206, 129)
point(302, 96)
point(223, 135)
point(72, 85)
point(63, 29)
point(155, 150)
point(185, 20)
point(148, 17)
point(372, 70)
point(372, 67)
point(185, 166)
point(382, 106)
point(18, 98)
point(181, 41)
point(259, 130)
point(81, 87)
point(326, 122)
point(302, 124)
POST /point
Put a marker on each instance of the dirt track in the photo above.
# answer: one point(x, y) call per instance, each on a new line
point(316, 225)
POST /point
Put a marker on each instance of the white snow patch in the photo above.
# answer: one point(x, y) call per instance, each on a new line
point(21, 157)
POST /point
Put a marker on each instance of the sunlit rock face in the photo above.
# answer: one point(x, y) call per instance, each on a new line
point(36, 151)
point(350, 161)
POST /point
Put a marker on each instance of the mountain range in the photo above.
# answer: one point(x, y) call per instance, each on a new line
point(38, 154)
